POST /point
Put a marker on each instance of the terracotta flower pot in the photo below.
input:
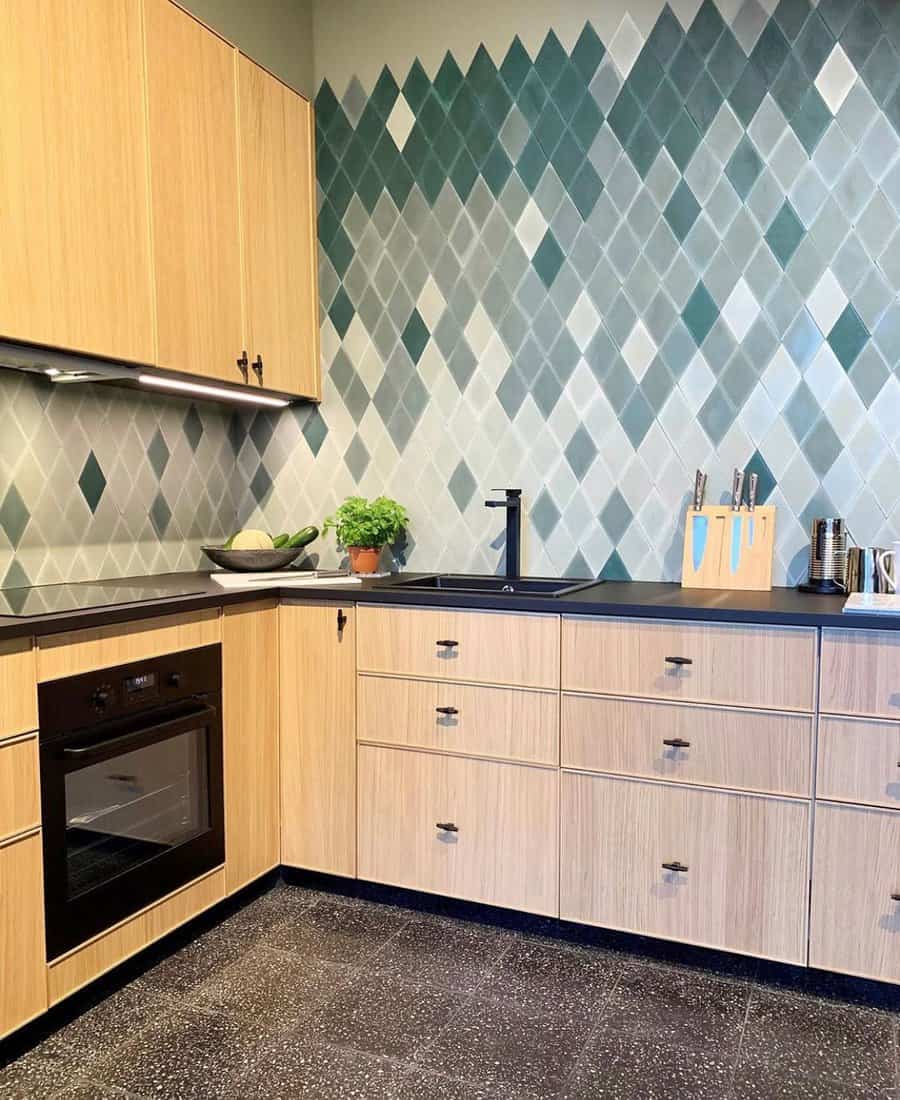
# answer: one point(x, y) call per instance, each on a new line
point(364, 559)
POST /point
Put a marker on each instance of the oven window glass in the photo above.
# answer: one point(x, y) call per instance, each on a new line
point(134, 807)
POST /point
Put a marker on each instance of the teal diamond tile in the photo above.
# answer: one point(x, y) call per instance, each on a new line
point(848, 337)
point(326, 165)
point(416, 149)
point(482, 74)
point(340, 132)
point(462, 485)
point(341, 252)
point(548, 259)
point(791, 16)
point(532, 97)
point(550, 60)
point(567, 158)
point(580, 452)
point(14, 514)
point(682, 140)
point(329, 223)
point(448, 80)
point(327, 105)
point(726, 63)
point(615, 569)
point(463, 175)
point(666, 36)
point(447, 146)
point(545, 515)
point(496, 169)
point(480, 138)
point(568, 91)
point(643, 147)
point(160, 515)
point(645, 77)
point(16, 578)
point(700, 313)
point(616, 516)
point(370, 126)
point(399, 183)
point(157, 452)
point(785, 234)
point(882, 71)
point(384, 94)
point(369, 190)
point(385, 154)
point(685, 68)
point(682, 211)
point(586, 122)
point(862, 32)
point(586, 189)
point(496, 103)
point(625, 115)
point(355, 160)
point(431, 116)
point(706, 29)
point(464, 109)
point(716, 416)
point(814, 45)
point(192, 426)
point(341, 192)
point(357, 458)
point(431, 179)
point(416, 87)
point(262, 429)
point(704, 102)
point(811, 120)
point(549, 128)
point(664, 108)
point(767, 483)
point(341, 312)
point(744, 167)
point(748, 94)
point(415, 336)
point(770, 52)
point(515, 67)
point(588, 52)
point(531, 164)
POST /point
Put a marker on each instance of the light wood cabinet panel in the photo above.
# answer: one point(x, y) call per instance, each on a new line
point(754, 751)
point(745, 887)
point(78, 651)
point(318, 737)
point(20, 795)
point(859, 761)
point(278, 228)
point(194, 193)
point(505, 850)
point(484, 721)
point(861, 673)
point(250, 711)
point(771, 668)
point(18, 687)
point(487, 647)
point(23, 988)
point(182, 906)
point(74, 205)
point(855, 915)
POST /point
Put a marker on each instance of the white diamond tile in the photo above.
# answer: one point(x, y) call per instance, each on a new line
point(583, 322)
point(479, 331)
point(781, 378)
point(697, 383)
point(885, 483)
point(827, 302)
point(400, 121)
point(758, 414)
point(639, 350)
point(625, 46)
point(835, 79)
point(530, 228)
point(866, 517)
point(845, 409)
point(431, 304)
point(824, 374)
point(741, 310)
point(867, 446)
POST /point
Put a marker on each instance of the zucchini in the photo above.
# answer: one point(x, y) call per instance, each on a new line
point(304, 537)
point(280, 542)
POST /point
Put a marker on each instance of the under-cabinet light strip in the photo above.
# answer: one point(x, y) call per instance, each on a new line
point(211, 391)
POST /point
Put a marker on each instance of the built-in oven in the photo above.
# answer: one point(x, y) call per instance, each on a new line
point(131, 789)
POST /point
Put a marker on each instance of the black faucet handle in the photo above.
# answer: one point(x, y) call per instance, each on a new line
point(509, 492)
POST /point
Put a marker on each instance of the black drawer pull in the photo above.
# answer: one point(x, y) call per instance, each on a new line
point(895, 897)
point(447, 710)
point(679, 661)
point(676, 866)
point(447, 643)
point(446, 826)
point(676, 743)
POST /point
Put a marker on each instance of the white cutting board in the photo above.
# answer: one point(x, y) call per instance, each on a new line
point(872, 603)
point(282, 580)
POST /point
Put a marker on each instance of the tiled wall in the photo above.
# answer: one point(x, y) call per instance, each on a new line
point(590, 269)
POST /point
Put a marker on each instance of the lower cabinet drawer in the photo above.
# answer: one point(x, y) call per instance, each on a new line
point(855, 914)
point(753, 751)
point(501, 844)
point(859, 761)
point(20, 798)
point(23, 968)
point(743, 886)
point(480, 721)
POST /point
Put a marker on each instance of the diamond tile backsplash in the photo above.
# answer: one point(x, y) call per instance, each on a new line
point(585, 271)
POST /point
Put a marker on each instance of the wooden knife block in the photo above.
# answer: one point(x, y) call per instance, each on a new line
point(726, 549)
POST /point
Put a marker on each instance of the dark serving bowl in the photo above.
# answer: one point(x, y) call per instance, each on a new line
point(252, 561)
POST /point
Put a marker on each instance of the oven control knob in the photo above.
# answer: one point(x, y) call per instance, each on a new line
point(175, 680)
point(101, 698)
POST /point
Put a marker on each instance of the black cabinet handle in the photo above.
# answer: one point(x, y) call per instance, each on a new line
point(258, 369)
point(341, 622)
point(447, 643)
point(447, 710)
point(676, 866)
point(895, 897)
point(446, 826)
point(679, 661)
point(244, 366)
point(676, 743)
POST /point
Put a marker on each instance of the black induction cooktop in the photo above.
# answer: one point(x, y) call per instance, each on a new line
point(51, 599)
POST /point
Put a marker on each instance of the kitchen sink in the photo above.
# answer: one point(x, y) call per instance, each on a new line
point(524, 586)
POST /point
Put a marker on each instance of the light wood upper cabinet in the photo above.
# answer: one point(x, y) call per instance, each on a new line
point(74, 205)
point(250, 710)
point(318, 737)
point(23, 988)
point(194, 193)
point(278, 227)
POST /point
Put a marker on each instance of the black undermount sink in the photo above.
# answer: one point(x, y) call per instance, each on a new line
point(504, 586)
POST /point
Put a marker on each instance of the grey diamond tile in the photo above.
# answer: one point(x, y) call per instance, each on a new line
point(830, 229)
point(513, 264)
point(703, 173)
point(547, 325)
point(788, 160)
point(385, 216)
point(623, 251)
point(620, 319)
point(662, 179)
point(768, 126)
point(355, 220)
point(515, 134)
point(585, 254)
point(721, 277)
point(857, 113)
point(545, 515)
point(661, 247)
point(462, 301)
point(462, 364)
point(719, 346)
point(877, 224)
point(749, 24)
point(400, 307)
point(514, 198)
point(869, 374)
point(400, 428)
point(724, 134)
point(808, 194)
point(832, 154)
point(601, 353)
point(549, 194)
point(701, 243)
point(513, 329)
point(822, 447)
point(760, 344)
point(783, 305)
point(386, 279)
point(447, 334)
point(851, 264)
point(636, 418)
point(641, 285)
point(716, 416)
point(616, 516)
point(802, 412)
point(742, 239)
point(462, 485)
point(766, 198)
point(623, 184)
point(580, 452)
point(416, 212)
point(605, 152)
point(496, 298)
point(643, 216)
point(566, 224)
point(738, 379)
point(803, 340)
point(462, 237)
point(806, 268)
point(604, 219)
point(678, 350)
point(603, 286)
point(763, 272)
point(606, 85)
point(872, 298)
point(566, 289)
point(880, 148)
point(722, 206)
point(680, 280)
point(854, 189)
point(547, 390)
point(512, 392)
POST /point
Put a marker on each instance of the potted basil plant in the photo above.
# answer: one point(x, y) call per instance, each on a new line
point(363, 527)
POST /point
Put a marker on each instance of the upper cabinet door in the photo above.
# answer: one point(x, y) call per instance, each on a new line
point(279, 231)
point(194, 194)
point(74, 206)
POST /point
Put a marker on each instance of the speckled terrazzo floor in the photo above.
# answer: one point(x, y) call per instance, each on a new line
point(307, 994)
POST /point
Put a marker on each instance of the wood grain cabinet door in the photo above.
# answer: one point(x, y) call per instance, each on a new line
point(23, 972)
point(278, 224)
point(74, 203)
point(18, 687)
point(861, 673)
point(194, 194)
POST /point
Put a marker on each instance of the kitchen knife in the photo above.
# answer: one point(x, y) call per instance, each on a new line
point(698, 491)
point(737, 490)
point(752, 492)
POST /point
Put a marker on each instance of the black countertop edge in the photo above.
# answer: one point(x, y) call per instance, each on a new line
point(636, 599)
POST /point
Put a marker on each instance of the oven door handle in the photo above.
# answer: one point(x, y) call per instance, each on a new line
point(119, 744)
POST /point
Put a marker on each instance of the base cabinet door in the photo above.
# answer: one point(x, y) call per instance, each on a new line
point(855, 914)
point(475, 829)
point(318, 737)
point(704, 867)
point(23, 971)
point(250, 706)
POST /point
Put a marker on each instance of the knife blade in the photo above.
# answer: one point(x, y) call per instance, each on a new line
point(698, 491)
point(737, 490)
point(752, 492)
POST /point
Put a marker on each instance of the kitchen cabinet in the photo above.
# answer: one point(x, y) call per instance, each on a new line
point(859, 761)
point(23, 988)
point(20, 796)
point(318, 737)
point(861, 673)
point(18, 687)
point(250, 681)
point(74, 202)
point(192, 126)
point(278, 228)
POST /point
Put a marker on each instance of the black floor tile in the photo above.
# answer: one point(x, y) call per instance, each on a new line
point(277, 905)
point(442, 952)
point(36, 1075)
point(809, 1037)
point(293, 1070)
point(765, 1082)
point(185, 969)
point(422, 1084)
point(625, 1068)
point(382, 1015)
point(336, 931)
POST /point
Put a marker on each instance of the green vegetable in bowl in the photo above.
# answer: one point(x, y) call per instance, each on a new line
point(303, 537)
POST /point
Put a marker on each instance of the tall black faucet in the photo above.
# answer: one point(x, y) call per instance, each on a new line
point(513, 506)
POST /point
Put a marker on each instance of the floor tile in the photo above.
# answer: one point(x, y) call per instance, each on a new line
point(273, 907)
point(336, 932)
point(292, 1070)
point(182, 971)
point(764, 1082)
point(421, 1084)
point(810, 1037)
point(442, 952)
point(500, 1044)
point(382, 1015)
point(90, 1091)
point(34, 1075)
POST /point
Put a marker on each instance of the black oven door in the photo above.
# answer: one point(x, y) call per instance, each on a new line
point(131, 811)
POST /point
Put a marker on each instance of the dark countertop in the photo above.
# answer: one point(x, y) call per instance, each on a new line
point(638, 599)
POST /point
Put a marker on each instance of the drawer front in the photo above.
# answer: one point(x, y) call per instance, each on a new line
point(772, 668)
point(756, 751)
point(508, 723)
point(18, 687)
point(855, 921)
point(859, 761)
point(505, 850)
point(521, 650)
point(20, 797)
point(80, 651)
point(23, 966)
point(861, 673)
point(746, 857)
